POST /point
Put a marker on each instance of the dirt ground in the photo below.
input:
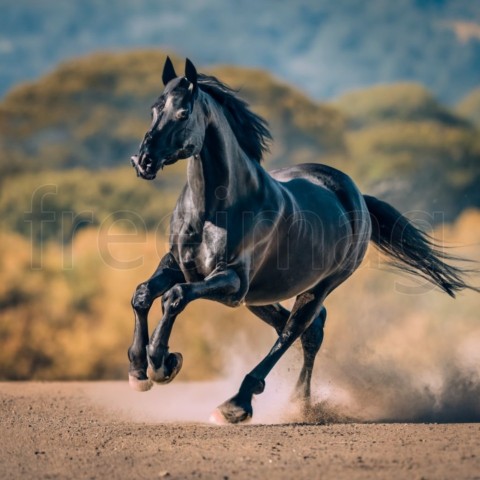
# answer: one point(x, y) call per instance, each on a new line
point(102, 430)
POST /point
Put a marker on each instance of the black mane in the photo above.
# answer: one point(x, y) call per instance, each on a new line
point(250, 129)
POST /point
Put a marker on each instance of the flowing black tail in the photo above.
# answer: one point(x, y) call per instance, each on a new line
point(412, 250)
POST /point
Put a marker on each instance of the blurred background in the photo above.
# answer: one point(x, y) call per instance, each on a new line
point(387, 91)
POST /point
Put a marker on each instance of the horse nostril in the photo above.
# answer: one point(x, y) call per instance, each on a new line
point(145, 161)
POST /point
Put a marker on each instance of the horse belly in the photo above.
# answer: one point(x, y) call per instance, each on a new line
point(298, 265)
point(264, 291)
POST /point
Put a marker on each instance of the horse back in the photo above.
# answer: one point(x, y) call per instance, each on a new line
point(333, 180)
point(323, 239)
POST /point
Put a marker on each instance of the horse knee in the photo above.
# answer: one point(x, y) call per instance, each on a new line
point(141, 299)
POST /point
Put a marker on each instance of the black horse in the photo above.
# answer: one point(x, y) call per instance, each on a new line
point(240, 235)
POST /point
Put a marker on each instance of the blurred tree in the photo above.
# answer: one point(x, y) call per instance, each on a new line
point(469, 106)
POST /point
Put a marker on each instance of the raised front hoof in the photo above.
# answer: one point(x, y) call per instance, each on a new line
point(140, 385)
point(231, 412)
point(167, 371)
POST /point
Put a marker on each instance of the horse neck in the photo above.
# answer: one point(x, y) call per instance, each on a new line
point(221, 173)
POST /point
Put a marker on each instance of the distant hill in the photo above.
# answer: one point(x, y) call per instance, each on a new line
point(92, 112)
point(469, 106)
point(399, 102)
point(77, 127)
point(324, 47)
point(411, 149)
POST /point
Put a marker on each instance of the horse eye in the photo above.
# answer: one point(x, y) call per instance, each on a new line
point(182, 115)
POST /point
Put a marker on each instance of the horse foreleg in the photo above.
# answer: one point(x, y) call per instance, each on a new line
point(163, 366)
point(239, 408)
point(277, 316)
point(223, 285)
point(166, 275)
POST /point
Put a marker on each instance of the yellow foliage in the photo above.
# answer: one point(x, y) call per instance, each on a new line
point(58, 322)
point(71, 319)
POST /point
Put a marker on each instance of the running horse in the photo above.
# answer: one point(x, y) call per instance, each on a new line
point(242, 236)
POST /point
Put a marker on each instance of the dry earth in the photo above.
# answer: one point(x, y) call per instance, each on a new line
point(103, 430)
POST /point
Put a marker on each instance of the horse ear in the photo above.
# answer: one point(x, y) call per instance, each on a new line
point(168, 71)
point(191, 72)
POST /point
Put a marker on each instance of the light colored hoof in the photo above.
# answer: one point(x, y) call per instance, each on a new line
point(139, 385)
point(218, 418)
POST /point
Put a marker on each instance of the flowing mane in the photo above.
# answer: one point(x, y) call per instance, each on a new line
point(250, 130)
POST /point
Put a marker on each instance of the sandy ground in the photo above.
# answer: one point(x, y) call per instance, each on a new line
point(104, 430)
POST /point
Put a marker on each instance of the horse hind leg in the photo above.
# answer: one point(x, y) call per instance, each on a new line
point(239, 408)
point(277, 316)
point(311, 340)
point(274, 315)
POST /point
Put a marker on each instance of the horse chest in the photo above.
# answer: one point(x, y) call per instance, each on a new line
point(201, 251)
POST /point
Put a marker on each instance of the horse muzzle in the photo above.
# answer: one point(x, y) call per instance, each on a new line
point(144, 166)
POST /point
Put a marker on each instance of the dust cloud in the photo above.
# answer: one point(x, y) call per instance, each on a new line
point(419, 369)
point(389, 378)
point(413, 371)
point(386, 357)
point(193, 402)
point(418, 363)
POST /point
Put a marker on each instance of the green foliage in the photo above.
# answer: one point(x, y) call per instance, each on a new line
point(411, 150)
point(414, 146)
point(469, 107)
point(92, 112)
point(400, 102)
point(425, 159)
point(55, 204)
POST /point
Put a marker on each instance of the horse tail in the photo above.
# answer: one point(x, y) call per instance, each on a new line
point(412, 250)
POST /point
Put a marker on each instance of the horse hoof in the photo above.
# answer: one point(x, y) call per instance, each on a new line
point(230, 413)
point(139, 385)
point(217, 418)
point(168, 371)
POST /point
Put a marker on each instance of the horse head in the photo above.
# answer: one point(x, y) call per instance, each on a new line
point(177, 130)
